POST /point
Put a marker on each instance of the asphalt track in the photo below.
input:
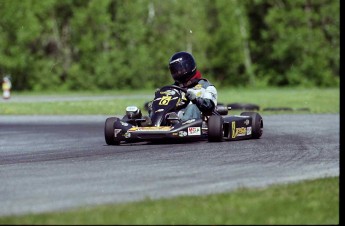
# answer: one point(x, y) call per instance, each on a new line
point(50, 163)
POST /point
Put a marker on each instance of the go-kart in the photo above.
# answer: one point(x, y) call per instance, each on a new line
point(164, 124)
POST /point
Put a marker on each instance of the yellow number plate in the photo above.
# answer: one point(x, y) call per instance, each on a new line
point(165, 100)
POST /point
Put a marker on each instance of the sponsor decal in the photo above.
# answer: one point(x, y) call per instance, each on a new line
point(246, 122)
point(193, 131)
point(242, 131)
point(249, 130)
point(177, 60)
point(242, 116)
point(127, 135)
point(233, 129)
point(116, 131)
point(188, 121)
point(237, 132)
point(152, 128)
point(168, 92)
point(182, 134)
point(124, 123)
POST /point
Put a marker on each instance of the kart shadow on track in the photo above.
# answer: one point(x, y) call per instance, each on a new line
point(161, 142)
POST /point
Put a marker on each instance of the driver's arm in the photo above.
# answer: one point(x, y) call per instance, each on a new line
point(208, 101)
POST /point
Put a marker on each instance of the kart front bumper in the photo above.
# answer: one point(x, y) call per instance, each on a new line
point(191, 129)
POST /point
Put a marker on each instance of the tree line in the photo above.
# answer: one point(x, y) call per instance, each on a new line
point(116, 44)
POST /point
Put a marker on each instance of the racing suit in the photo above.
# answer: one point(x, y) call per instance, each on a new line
point(205, 98)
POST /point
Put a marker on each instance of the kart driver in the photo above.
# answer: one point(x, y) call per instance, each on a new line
point(201, 93)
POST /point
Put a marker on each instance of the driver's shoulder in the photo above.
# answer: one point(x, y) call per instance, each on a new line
point(204, 83)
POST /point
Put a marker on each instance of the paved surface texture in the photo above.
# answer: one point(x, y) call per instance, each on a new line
point(68, 98)
point(50, 163)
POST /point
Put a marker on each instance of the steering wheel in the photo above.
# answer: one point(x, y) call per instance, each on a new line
point(184, 90)
point(175, 87)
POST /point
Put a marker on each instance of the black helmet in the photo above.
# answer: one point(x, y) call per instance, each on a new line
point(182, 67)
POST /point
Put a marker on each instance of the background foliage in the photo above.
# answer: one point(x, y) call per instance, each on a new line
point(116, 44)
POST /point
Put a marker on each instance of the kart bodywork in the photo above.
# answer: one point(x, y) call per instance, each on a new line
point(164, 124)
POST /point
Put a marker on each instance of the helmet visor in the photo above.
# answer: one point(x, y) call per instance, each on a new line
point(177, 69)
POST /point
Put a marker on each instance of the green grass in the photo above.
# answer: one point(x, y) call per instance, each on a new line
point(316, 99)
point(311, 202)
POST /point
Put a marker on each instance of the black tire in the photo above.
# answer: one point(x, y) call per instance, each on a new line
point(244, 106)
point(278, 109)
point(257, 124)
point(302, 109)
point(109, 131)
point(215, 128)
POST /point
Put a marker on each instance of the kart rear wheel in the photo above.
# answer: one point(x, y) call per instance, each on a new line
point(109, 131)
point(215, 128)
point(257, 124)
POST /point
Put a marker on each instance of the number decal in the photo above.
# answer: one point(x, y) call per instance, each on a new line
point(165, 100)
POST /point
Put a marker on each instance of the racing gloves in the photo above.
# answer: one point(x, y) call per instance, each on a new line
point(190, 95)
point(205, 105)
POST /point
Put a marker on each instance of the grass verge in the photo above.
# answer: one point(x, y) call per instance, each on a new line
point(316, 99)
point(312, 202)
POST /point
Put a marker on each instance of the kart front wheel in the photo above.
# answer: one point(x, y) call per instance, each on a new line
point(109, 131)
point(215, 128)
